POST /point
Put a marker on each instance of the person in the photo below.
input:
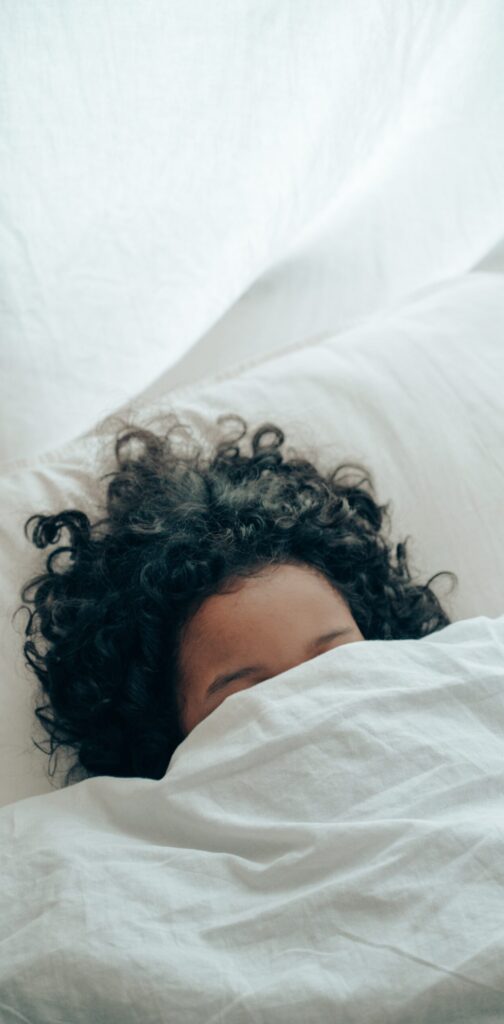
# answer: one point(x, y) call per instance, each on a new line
point(207, 574)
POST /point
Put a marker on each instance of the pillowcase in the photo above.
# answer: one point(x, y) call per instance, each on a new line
point(414, 393)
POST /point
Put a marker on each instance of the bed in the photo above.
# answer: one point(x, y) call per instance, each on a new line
point(326, 846)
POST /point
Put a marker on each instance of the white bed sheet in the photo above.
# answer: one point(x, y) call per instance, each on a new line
point(162, 161)
point(326, 845)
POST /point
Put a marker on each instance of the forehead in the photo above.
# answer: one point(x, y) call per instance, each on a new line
point(285, 590)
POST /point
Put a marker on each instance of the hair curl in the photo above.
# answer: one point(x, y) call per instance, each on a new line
point(105, 632)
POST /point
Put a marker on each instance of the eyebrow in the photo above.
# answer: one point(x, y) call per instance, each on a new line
point(221, 680)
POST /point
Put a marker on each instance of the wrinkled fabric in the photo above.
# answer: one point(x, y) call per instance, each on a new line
point(211, 181)
point(326, 845)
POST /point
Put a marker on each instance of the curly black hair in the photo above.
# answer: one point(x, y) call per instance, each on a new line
point(105, 632)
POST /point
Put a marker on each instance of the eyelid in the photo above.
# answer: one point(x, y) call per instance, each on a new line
point(219, 684)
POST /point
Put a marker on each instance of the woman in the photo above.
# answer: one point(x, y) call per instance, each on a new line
point(208, 574)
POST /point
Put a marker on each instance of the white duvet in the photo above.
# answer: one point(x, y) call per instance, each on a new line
point(327, 846)
point(211, 181)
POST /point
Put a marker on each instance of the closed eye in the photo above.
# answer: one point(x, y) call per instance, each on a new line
point(222, 680)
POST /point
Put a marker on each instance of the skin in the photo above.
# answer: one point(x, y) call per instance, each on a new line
point(272, 620)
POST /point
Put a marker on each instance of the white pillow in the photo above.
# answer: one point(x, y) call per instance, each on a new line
point(416, 394)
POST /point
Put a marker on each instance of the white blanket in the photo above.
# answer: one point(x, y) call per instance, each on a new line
point(326, 846)
point(160, 160)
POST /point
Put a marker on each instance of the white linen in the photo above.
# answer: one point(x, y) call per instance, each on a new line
point(326, 846)
point(160, 161)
